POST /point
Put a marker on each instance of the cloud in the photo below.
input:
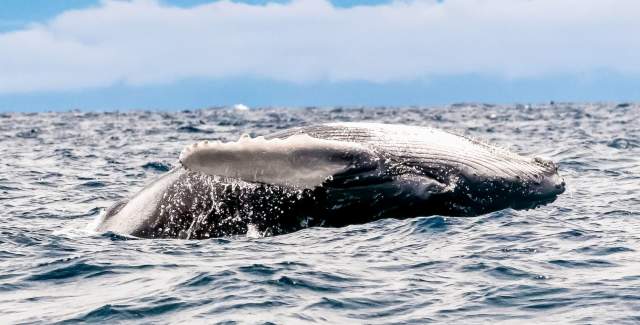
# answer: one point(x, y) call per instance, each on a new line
point(145, 42)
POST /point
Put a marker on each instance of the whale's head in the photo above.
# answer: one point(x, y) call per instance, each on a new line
point(547, 183)
point(515, 182)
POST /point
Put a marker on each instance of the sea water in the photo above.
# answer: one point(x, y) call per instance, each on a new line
point(575, 260)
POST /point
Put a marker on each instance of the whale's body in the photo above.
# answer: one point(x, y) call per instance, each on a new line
point(331, 175)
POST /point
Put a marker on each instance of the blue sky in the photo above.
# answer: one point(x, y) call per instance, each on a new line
point(176, 54)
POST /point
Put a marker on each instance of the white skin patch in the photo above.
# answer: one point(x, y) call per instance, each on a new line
point(299, 161)
point(142, 204)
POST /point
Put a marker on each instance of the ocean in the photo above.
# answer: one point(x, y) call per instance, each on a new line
point(575, 260)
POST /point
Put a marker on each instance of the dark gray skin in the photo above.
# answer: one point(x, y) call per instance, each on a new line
point(400, 184)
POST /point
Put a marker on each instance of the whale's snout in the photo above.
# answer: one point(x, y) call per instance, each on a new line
point(547, 185)
point(551, 185)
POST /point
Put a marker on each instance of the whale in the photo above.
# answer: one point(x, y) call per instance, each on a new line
point(331, 175)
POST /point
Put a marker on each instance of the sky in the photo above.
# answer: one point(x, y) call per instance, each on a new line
point(183, 54)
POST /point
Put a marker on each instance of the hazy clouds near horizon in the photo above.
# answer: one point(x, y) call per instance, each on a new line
point(146, 42)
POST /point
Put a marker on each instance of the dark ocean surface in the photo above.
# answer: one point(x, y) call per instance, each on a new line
point(575, 260)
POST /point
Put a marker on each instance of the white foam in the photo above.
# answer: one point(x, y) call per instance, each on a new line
point(77, 228)
point(240, 107)
point(252, 231)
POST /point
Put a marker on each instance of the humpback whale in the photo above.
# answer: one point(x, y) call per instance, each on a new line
point(331, 175)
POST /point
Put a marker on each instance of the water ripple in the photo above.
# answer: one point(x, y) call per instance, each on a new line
point(573, 261)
